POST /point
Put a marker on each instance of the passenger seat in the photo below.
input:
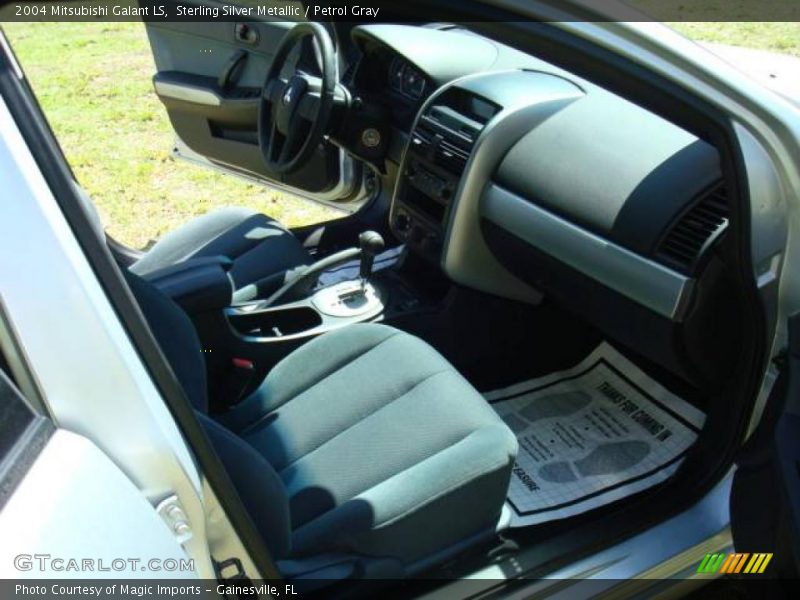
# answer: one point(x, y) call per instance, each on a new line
point(363, 449)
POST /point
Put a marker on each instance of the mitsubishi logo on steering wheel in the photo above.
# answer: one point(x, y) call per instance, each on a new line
point(287, 95)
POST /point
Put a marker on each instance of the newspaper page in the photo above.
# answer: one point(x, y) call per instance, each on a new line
point(591, 435)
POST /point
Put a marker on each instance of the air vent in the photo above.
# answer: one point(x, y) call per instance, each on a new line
point(354, 61)
point(350, 74)
point(443, 142)
point(422, 139)
point(694, 232)
point(449, 156)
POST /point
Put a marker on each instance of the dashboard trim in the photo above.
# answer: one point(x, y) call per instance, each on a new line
point(644, 281)
point(466, 258)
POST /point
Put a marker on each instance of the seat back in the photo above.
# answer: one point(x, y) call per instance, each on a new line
point(176, 336)
point(258, 485)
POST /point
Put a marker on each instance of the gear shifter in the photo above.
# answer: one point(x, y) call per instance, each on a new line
point(371, 243)
point(302, 283)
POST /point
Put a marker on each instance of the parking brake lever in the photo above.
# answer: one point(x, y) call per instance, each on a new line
point(302, 282)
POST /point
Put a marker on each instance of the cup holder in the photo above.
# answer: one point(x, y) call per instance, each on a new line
point(276, 323)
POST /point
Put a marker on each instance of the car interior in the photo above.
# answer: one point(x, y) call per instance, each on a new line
point(514, 218)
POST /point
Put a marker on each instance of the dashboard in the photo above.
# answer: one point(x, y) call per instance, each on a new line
point(406, 80)
point(524, 181)
point(392, 81)
point(401, 66)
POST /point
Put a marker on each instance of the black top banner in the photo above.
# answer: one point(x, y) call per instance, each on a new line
point(402, 11)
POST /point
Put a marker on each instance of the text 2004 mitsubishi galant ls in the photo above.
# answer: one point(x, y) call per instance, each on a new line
point(553, 336)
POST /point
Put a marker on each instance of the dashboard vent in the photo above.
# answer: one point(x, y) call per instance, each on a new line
point(694, 232)
point(444, 142)
point(423, 138)
point(451, 157)
point(354, 61)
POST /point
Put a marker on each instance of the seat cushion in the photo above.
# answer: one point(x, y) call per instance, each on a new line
point(382, 447)
point(259, 246)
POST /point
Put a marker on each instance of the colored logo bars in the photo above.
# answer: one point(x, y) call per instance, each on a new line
point(740, 562)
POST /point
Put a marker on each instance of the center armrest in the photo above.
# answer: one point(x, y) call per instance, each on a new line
point(197, 284)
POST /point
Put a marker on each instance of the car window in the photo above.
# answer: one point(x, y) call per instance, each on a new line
point(23, 430)
point(118, 139)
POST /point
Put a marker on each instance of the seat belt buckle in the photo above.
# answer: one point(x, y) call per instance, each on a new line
point(240, 377)
point(231, 571)
point(243, 363)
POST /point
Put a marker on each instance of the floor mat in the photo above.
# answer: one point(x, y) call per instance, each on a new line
point(591, 435)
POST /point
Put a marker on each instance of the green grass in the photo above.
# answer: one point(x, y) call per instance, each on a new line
point(731, 22)
point(93, 81)
point(777, 37)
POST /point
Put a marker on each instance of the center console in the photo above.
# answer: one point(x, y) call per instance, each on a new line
point(440, 146)
point(327, 309)
point(244, 338)
point(296, 312)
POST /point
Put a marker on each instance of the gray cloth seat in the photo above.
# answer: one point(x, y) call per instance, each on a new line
point(382, 447)
point(261, 249)
point(363, 443)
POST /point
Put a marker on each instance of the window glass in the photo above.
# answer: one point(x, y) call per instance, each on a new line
point(94, 83)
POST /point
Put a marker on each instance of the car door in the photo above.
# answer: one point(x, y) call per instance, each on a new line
point(765, 497)
point(97, 477)
point(209, 77)
point(57, 486)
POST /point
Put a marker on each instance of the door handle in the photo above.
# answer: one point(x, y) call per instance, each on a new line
point(245, 33)
point(233, 69)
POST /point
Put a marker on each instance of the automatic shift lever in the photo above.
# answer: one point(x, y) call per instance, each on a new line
point(371, 243)
point(301, 284)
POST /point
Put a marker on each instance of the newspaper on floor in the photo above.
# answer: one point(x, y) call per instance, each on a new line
point(591, 435)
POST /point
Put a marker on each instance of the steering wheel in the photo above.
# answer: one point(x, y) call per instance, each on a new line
point(295, 110)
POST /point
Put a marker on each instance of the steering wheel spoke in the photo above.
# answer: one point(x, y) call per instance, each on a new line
point(313, 83)
point(273, 90)
point(297, 133)
point(274, 144)
point(295, 111)
point(308, 107)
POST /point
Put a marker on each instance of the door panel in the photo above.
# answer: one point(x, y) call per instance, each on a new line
point(75, 504)
point(765, 499)
point(209, 77)
point(61, 498)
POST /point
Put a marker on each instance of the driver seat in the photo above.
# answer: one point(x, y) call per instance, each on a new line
point(261, 249)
